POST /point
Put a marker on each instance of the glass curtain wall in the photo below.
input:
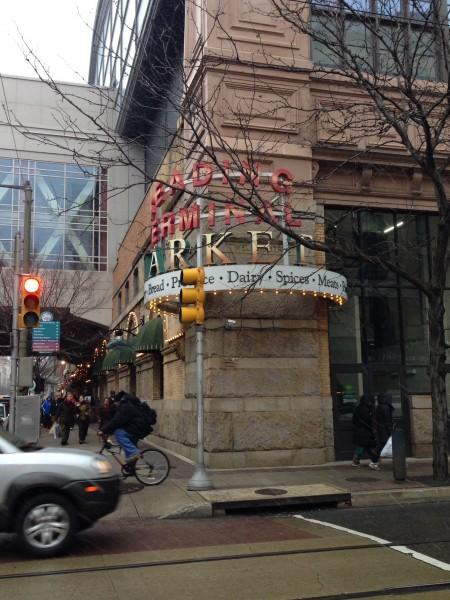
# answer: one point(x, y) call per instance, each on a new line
point(119, 37)
point(69, 224)
point(385, 320)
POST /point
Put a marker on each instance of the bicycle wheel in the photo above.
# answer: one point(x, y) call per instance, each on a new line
point(152, 467)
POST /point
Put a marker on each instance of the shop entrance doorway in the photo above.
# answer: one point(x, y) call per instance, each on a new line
point(347, 385)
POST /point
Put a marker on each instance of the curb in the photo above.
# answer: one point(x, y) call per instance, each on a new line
point(191, 511)
point(389, 497)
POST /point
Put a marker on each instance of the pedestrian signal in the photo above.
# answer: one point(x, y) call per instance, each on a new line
point(30, 301)
point(192, 299)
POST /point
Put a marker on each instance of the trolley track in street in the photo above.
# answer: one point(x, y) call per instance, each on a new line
point(216, 558)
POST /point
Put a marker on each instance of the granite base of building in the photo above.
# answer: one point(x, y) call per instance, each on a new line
point(250, 458)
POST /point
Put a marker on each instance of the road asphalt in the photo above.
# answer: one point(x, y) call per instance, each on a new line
point(228, 558)
point(394, 551)
point(173, 499)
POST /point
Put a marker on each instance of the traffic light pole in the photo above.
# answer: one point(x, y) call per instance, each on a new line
point(19, 346)
point(200, 479)
point(27, 206)
point(15, 336)
point(26, 260)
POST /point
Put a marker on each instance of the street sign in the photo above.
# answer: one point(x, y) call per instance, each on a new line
point(46, 337)
point(46, 316)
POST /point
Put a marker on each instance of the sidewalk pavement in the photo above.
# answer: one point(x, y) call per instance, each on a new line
point(172, 499)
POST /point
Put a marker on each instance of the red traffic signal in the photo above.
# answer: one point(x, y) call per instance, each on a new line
point(30, 306)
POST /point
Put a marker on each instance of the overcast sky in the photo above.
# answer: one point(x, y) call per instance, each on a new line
point(59, 31)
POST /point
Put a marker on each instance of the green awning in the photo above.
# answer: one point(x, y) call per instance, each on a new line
point(121, 354)
point(109, 361)
point(151, 336)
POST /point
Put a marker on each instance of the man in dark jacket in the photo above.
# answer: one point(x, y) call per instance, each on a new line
point(65, 416)
point(126, 425)
point(384, 420)
point(364, 432)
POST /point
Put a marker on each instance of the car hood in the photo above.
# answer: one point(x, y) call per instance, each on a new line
point(66, 451)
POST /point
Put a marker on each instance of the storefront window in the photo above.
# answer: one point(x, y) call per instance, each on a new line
point(415, 326)
point(378, 240)
point(381, 325)
point(412, 244)
point(392, 334)
point(341, 226)
point(348, 389)
point(345, 331)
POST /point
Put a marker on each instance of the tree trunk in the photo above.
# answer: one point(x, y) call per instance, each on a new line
point(438, 387)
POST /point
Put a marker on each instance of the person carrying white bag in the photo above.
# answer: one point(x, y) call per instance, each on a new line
point(55, 430)
point(383, 416)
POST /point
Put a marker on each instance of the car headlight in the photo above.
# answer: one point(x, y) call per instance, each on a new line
point(102, 465)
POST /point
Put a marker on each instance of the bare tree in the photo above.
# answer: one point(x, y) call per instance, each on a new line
point(383, 70)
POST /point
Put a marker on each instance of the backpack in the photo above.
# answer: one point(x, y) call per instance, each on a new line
point(149, 418)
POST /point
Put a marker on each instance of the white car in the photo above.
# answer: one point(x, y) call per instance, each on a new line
point(48, 494)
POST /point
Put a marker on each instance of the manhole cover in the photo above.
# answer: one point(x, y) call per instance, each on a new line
point(271, 492)
point(361, 479)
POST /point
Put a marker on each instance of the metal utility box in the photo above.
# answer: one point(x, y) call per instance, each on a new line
point(28, 417)
point(25, 372)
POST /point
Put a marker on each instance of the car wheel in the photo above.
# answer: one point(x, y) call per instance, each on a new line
point(46, 524)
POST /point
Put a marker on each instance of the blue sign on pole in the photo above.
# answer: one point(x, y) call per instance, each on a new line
point(46, 337)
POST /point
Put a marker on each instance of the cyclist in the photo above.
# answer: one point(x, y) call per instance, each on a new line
point(126, 425)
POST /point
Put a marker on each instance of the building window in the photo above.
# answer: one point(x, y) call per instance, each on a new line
point(69, 213)
point(136, 281)
point(127, 293)
point(119, 302)
point(376, 30)
point(385, 320)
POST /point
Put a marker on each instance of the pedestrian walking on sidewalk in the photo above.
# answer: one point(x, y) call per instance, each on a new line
point(66, 416)
point(84, 418)
point(105, 414)
point(365, 432)
point(383, 414)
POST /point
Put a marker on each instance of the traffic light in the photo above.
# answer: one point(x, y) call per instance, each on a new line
point(30, 305)
point(194, 296)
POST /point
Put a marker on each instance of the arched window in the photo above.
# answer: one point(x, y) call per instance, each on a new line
point(127, 293)
point(119, 302)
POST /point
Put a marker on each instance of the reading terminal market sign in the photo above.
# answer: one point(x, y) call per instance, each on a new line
point(169, 253)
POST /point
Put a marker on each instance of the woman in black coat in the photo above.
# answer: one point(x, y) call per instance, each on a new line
point(365, 432)
point(383, 413)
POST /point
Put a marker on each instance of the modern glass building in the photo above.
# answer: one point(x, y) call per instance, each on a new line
point(139, 57)
point(69, 222)
point(118, 32)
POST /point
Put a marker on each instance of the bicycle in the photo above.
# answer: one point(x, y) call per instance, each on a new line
point(151, 468)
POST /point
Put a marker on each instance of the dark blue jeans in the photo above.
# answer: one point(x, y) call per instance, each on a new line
point(127, 443)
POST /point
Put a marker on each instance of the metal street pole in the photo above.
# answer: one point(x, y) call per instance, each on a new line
point(200, 479)
point(27, 210)
point(15, 336)
point(26, 259)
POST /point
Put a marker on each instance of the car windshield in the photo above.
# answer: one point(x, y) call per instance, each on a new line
point(17, 442)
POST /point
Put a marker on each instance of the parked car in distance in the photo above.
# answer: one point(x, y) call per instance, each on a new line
point(48, 494)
